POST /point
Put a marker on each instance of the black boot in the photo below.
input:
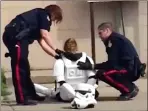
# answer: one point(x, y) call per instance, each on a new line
point(130, 95)
point(39, 98)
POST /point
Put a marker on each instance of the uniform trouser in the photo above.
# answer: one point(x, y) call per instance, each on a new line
point(23, 85)
point(119, 79)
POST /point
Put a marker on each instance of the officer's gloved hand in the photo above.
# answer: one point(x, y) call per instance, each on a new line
point(99, 74)
point(142, 69)
point(84, 66)
point(58, 57)
point(7, 55)
point(58, 51)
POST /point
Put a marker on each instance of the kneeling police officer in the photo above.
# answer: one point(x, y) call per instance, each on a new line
point(19, 33)
point(123, 66)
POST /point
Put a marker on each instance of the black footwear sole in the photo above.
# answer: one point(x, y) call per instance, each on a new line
point(39, 98)
point(133, 94)
point(28, 102)
point(122, 98)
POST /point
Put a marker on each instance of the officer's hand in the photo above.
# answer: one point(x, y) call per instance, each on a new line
point(58, 51)
point(142, 69)
point(7, 55)
point(84, 66)
point(99, 74)
point(58, 57)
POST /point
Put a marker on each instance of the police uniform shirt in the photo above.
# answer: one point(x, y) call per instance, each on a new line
point(37, 19)
point(120, 50)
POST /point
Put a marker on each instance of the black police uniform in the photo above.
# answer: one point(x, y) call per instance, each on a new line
point(121, 69)
point(18, 34)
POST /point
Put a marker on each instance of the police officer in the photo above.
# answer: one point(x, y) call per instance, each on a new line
point(123, 66)
point(19, 33)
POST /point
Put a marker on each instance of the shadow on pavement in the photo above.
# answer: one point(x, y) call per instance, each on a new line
point(53, 101)
point(67, 107)
point(107, 98)
point(103, 98)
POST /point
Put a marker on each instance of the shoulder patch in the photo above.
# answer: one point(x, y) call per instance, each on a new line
point(48, 18)
point(109, 44)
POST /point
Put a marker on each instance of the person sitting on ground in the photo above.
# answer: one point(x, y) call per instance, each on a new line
point(69, 78)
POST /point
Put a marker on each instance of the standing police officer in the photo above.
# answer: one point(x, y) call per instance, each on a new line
point(123, 66)
point(19, 33)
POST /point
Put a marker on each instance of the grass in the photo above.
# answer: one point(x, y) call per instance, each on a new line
point(4, 92)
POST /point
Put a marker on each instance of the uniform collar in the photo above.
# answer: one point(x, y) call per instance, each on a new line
point(48, 13)
point(112, 35)
point(109, 38)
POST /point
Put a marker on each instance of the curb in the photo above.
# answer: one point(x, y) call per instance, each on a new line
point(41, 77)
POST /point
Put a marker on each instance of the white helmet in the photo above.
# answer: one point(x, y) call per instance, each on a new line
point(84, 87)
point(85, 101)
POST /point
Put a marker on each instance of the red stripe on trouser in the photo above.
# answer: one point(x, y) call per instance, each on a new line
point(115, 71)
point(18, 73)
point(106, 75)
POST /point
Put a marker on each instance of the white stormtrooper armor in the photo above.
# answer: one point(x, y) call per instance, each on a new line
point(76, 80)
point(66, 70)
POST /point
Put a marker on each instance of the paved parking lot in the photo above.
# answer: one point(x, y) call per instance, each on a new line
point(107, 101)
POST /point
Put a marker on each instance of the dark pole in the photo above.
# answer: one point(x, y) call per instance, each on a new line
point(147, 35)
point(92, 31)
point(122, 18)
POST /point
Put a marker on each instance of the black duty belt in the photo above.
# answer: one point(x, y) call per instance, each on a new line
point(18, 28)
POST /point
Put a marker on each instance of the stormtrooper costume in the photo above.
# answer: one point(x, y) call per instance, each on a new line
point(72, 84)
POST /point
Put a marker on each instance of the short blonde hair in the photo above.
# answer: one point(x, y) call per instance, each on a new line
point(105, 25)
point(70, 45)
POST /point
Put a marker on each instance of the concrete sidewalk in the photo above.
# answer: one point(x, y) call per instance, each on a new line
point(38, 76)
point(107, 101)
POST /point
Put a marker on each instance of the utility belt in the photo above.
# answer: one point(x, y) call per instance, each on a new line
point(17, 29)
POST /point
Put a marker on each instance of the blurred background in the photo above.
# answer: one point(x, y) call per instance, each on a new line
point(128, 17)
